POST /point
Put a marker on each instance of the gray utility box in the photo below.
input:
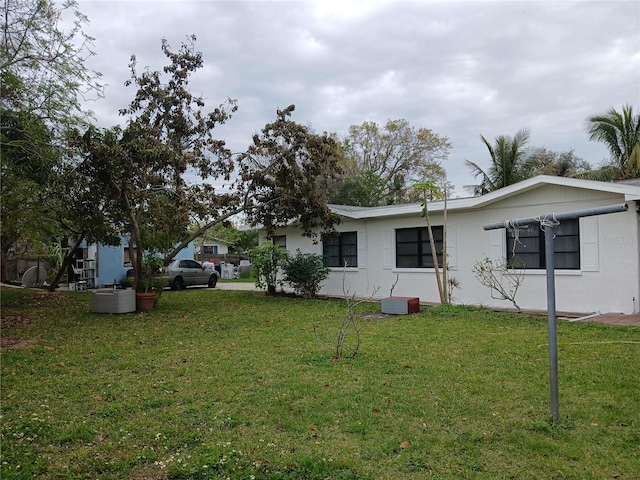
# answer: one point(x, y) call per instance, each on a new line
point(109, 300)
point(400, 305)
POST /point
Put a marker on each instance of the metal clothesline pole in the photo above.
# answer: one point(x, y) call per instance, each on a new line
point(588, 212)
point(549, 234)
point(550, 222)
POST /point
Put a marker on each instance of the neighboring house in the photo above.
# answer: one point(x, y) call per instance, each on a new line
point(210, 247)
point(597, 258)
point(99, 265)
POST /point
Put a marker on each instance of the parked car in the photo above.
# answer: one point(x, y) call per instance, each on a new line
point(181, 273)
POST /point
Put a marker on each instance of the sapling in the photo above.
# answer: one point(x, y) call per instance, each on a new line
point(503, 278)
point(343, 338)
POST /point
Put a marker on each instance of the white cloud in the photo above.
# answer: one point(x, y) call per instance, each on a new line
point(461, 69)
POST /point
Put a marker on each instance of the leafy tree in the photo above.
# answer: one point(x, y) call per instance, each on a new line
point(284, 172)
point(546, 162)
point(507, 157)
point(381, 161)
point(244, 241)
point(267, 259)
point(26, 160)
point(43, 75)
point(305, 272)
point(281, 179)
point(43, 196)
point(363, 190)
point(79, 208)
point(238, 241)
point(43, 67)
point(142, 167)
point(620, 132)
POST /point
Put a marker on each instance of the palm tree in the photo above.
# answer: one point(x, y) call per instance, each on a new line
point(507, 156)
point(620, 132)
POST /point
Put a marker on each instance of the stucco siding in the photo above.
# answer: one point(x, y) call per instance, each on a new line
point(607, 280)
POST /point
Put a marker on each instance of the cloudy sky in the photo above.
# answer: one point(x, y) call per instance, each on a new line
point(461, 69)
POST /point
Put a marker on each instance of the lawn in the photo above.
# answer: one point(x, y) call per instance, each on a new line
point(227, 384)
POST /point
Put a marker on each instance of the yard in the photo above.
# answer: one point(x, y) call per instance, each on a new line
point(226, 384)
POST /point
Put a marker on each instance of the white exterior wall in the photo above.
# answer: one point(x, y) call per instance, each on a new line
point(610, 254)
point(223, 248)
point(608, 279)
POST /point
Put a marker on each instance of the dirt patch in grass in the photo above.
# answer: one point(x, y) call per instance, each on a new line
point(46, 297)
point(39, 299)
point(11, 320)
point(16, 343)
point(375, 315)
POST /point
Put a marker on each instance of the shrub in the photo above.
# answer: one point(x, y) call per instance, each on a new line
point(266, 259)
point(305, 272)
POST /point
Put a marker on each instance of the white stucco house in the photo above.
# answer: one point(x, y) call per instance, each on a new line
point(213, 247)
point(597, 257)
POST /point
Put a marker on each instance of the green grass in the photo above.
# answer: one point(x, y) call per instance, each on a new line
point(223, 384)
point(251, 280)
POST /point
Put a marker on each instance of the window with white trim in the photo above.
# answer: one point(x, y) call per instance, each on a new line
point(341, 250)
point(413, 248)
point(526, 247)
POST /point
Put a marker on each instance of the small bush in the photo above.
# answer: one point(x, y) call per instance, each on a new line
point(305, 272)
point(266, 259)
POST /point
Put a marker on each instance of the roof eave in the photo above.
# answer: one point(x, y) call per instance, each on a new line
point(630, 193)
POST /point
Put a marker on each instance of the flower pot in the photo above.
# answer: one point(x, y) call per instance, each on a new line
point(145, 301)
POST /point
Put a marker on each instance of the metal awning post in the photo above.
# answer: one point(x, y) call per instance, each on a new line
point(549, 235)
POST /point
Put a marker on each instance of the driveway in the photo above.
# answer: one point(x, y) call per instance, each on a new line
point(237, 286)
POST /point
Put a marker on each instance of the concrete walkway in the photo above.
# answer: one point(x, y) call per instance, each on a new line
point(611, 319)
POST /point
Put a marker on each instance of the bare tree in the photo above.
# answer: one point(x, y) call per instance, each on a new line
point(502, 278)
point(344, 338)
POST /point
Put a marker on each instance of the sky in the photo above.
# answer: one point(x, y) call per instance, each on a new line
point(461, 69)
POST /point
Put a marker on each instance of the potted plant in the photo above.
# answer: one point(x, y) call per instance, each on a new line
point(151, 284)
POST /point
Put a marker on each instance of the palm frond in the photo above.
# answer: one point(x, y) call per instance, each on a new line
point(608, 173)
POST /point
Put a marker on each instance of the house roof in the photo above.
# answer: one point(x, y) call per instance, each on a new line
point(629, 190)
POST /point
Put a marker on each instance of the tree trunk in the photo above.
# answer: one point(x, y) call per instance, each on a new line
point(4, 271)
point(135, 245)
point(434, 254)
point(66, 263)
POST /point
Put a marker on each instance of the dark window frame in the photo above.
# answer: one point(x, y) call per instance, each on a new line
point(413, 248)
point(530, 253)
point(209, 249)
point(341, 248)
point(279, 241)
